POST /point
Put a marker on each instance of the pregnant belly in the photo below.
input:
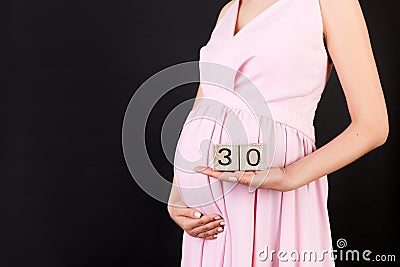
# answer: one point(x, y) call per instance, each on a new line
point(205, 126)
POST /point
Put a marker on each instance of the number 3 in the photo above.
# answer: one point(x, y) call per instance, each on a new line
point(225, 156)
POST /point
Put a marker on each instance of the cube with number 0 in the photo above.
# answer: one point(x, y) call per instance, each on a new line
point(253, 157)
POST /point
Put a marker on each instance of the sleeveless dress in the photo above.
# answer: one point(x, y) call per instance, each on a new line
point(280, 71)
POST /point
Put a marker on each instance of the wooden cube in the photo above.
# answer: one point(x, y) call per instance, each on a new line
point(226, 157)
point(253, 157)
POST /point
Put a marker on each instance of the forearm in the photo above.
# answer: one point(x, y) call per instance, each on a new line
point(348, 42)
point(355, 141)
point(175, 198)
point(199, 95)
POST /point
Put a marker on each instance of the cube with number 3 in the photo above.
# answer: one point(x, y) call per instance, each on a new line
point(226, 157)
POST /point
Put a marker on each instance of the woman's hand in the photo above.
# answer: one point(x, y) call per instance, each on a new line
point(196, 224)
point(272, 178)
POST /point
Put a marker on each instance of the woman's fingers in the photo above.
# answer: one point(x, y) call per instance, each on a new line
point(197, 224)
point(249, 178)
point(190, 212)
point(209, 230)
point(205, 227)
point(224, 176)
point(243, 177)
point(203, 221)
point(210, 172)
point(185, 211)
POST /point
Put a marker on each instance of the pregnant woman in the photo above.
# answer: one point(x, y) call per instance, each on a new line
point(287, 49)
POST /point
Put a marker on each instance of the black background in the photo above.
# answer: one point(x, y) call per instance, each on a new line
point(69, 69)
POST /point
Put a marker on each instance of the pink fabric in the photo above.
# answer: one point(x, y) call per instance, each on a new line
point(282, 52)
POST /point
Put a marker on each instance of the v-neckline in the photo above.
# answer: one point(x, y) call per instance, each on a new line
point(253, 20)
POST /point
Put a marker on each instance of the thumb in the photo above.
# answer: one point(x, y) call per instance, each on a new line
point(193, 213)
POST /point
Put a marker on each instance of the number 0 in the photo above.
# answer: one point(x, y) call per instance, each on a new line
point(248, 157)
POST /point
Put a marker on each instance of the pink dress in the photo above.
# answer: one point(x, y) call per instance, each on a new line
point(281, 71)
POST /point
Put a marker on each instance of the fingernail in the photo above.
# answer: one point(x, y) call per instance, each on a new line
point(197, 214)
point(215, 236)
point(199, 168)
point(220, 229)
point(233, 179)
point(222, 223)
point(217, 217)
